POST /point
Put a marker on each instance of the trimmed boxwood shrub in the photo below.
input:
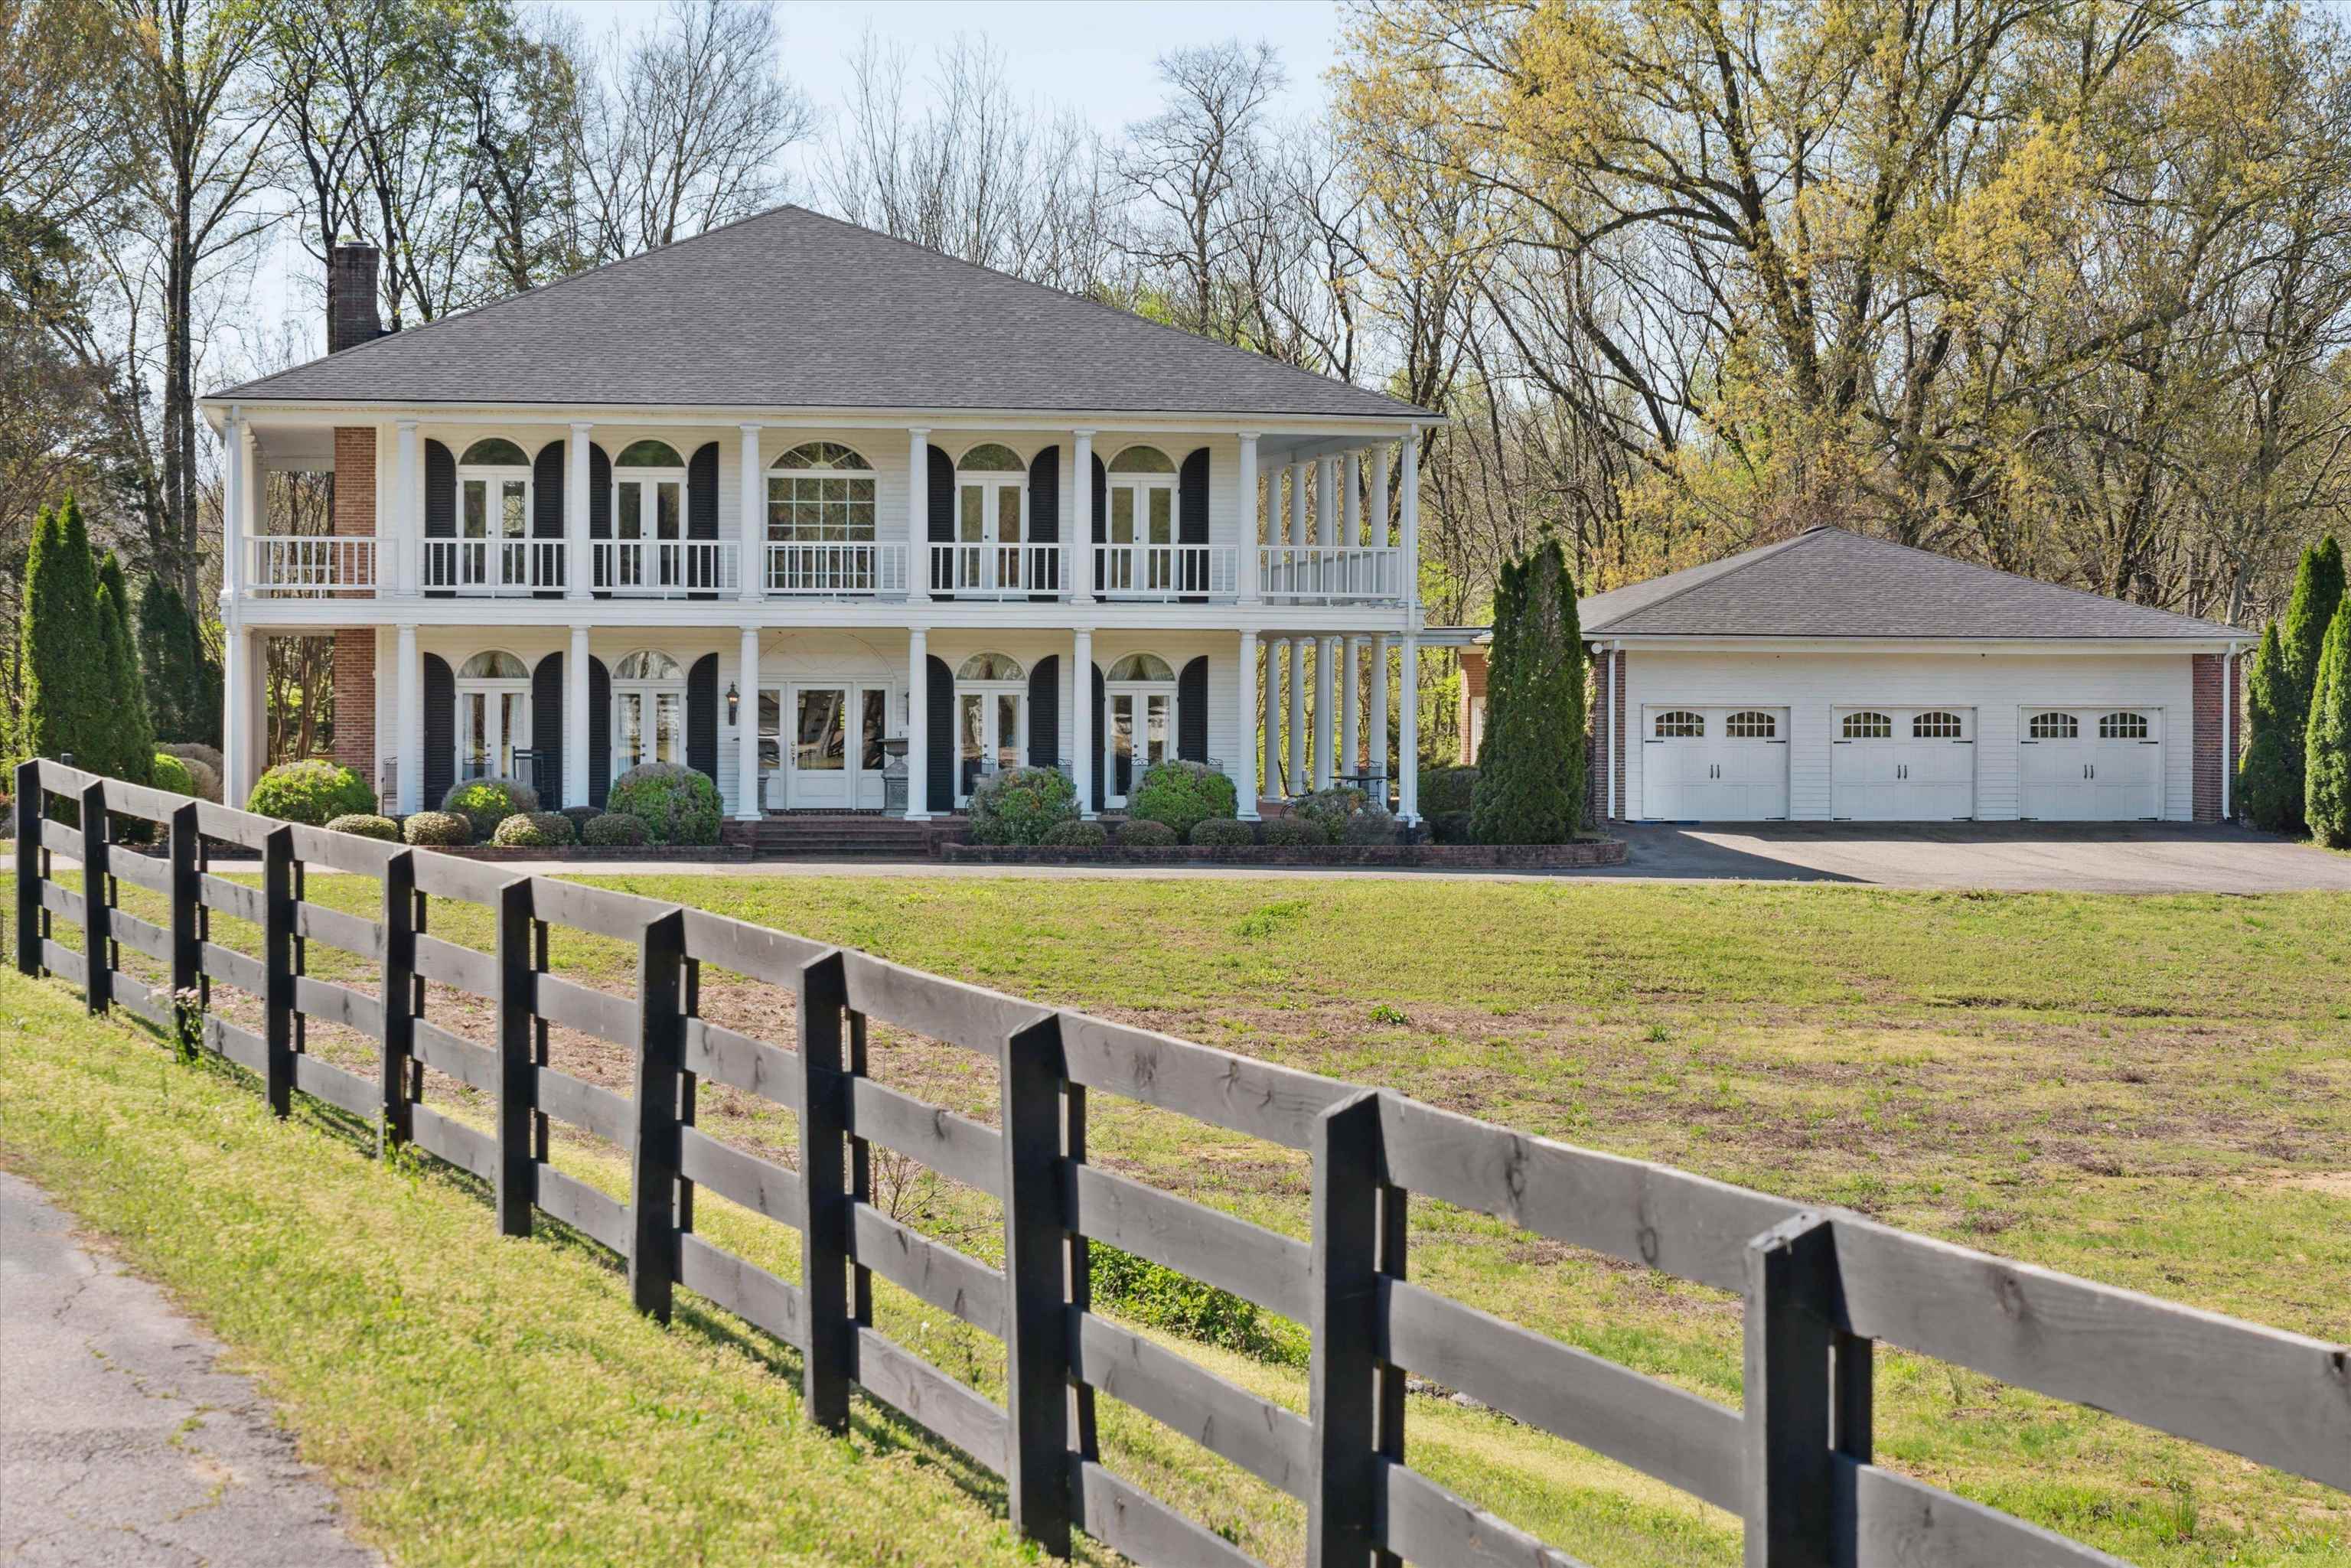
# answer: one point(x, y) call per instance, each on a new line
point(487, 802)
point(1371, 825)
point(1330, 809)
point(437, 830)
point(1076, 834)
point(313, 791)
point(208, 781)
point(1226, 833)
point(1021, 805)
point(365, 825)
point(1444, 791)
point(1142, 833)
point(676, 804)
point(534, 830)
point(170, 774)
point(1295, 833)
point(580, 816)
point(196, 751)
point(615, 830)
point(1451, 828)
point(1182, 795)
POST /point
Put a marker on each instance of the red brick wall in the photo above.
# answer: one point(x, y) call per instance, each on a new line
point(2209, 745)
point(1472, 723)
point(354, 513)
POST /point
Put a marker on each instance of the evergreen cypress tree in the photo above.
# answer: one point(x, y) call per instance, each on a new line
point(65, 686)
point(2265, 773)
point(201, 705)
point(2327, 746)
point(131, 734)
point(2318, 591)
point(1530, 767)
point(164, 657)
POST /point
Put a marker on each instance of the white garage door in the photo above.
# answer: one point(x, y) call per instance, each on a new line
point(1903, 764)
point(1715, 764)
point(2090, 765)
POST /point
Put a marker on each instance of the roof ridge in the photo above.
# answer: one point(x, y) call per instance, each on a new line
point(1732, 566)
point(2037, 582)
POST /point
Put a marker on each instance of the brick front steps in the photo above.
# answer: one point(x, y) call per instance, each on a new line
point(1582, 854)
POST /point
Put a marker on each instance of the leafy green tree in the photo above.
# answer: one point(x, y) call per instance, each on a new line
point(2317, 591)
point(2327, 747)
point(130, 751)
point(164, 648)
point(65, 697)
point(1530, 767)
point(2266, 770)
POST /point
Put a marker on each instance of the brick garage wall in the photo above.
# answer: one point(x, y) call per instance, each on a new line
point(2212, 708)
point(354, 513)
point(1472, 725)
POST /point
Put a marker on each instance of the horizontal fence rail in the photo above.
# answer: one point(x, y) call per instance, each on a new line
point(1822, 1288)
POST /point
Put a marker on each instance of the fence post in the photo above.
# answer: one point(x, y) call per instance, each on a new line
point(1037, 1334)
point(187, 935)
point(661, 1055)
point(97, 917)
point(1343, 1500)
point(30, 809)
point(399, 993)
point(832, 1351)
point(1791, 1293)
point(278, 966)
point(518, 1182)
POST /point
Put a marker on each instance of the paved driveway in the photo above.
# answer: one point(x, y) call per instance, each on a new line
point(2087, 857)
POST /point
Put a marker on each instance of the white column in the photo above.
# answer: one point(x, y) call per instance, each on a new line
point(1351, 726)
point(255, 521)
point(1326, 494)
point(1298, 503)
point(1078, 535)
point(1298, 781)
point(1379, 743)
point(918, 728)
point(576, 500)
point(918, 575)
point(576, 717)
point(1408, 735)
point(1411, 593)
point(1247, 574)
point(1245, 721)
point(754, 498)
point(1271, 769)
point(411, 719)
point(236, 760)
point(1326, 655)
point(1380, 494)
point(232, 545)
point(1081, 710)
point(406, 546)
point(1354, 531)
point(747, 741)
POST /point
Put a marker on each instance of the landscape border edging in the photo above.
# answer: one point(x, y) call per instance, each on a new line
point(1582, 854)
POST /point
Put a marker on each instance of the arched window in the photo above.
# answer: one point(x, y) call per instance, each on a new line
point(648, 454)
point(1680, 724)
point(1142, 460)
point(1141, 667)
point(1867, 726)
point(2123, 726)
point(497, 452)
point(647, 664)
point(991, 457)
point(1752, 723)
point(989, 667)
point(821, 454)
point(494, 716)
point(1937, 726)
point(494, 664)
point(2053, 727)
point(821, 492)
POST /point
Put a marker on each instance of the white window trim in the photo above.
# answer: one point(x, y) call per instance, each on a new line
point(1141, 691)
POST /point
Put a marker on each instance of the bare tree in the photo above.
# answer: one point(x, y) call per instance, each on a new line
point(1185, 169)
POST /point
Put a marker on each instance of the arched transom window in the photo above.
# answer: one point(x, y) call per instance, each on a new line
point(1937, 725)
point(2053, 727)
point(1867, 726)
point(493, 715)
point(493, 497)
point(1752, 723)
point(494, 665)
point(988, 667)
point(649, 454)
point(1141, 667)
point(647, 664)
point(1678, 724)
point(2123, 726)
point(648, 710)
point(820, 490)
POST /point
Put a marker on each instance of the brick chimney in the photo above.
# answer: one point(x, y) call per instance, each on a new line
point(351, 316)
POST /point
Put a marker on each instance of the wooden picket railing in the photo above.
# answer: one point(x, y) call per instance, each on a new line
point(1821, 1287)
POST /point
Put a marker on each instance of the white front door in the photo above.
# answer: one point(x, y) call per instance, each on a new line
point(1140, 722)
point(493, 723)
point(829, 756)
point(648, 726)
point(1902, 764)
point(1714, 763)
point(991, 733)
point(2093, 763)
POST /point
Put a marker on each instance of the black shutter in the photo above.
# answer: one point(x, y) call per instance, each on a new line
point(1101, 741)
point(1045, 507)
point(1192, 523)
point(1045, 712)
point(600, 732)
point(702, 717)
point(1102, 527)
point(600, 509)
point(547, 729)
point(1192, 711)
point(440, 730)
point(546, 473)
point(440, 510)
point(943, 499)
point(701, 515)
point(939, 760)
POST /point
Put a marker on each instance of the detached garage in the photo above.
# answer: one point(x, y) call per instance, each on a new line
point(1833, 678)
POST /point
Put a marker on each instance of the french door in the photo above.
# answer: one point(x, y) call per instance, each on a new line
point(991, 733)
point(831, 757)
point(648, 521)
point(648, 726)
point(1140, 732)
point(1141, 528)
point(990, 530)
point(493, 723)
point(493, 520)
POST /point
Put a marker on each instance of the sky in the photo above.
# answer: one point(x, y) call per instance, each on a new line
point(1096, 56)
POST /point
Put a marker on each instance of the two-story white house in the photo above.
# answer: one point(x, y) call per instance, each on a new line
point(771, 500)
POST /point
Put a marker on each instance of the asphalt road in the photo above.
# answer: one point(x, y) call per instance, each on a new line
point(121, 1442)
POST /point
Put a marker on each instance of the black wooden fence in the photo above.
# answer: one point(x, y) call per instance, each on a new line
point(1820, 1286)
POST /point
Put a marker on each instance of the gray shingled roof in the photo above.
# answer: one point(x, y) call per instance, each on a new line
point(1826, 582)
point(794, 309)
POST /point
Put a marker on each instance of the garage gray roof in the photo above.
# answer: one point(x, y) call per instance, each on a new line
point(1827, 582)
point(794, 309)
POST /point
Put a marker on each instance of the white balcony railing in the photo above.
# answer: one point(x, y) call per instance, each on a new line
point(666, 568)
point(493, 566)
point(996, 571)
point(1165, 571)
point(841, 569)
point(1331, 572)
point(312, 566)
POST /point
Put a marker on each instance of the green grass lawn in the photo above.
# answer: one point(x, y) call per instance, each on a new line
point(2154, 1091)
